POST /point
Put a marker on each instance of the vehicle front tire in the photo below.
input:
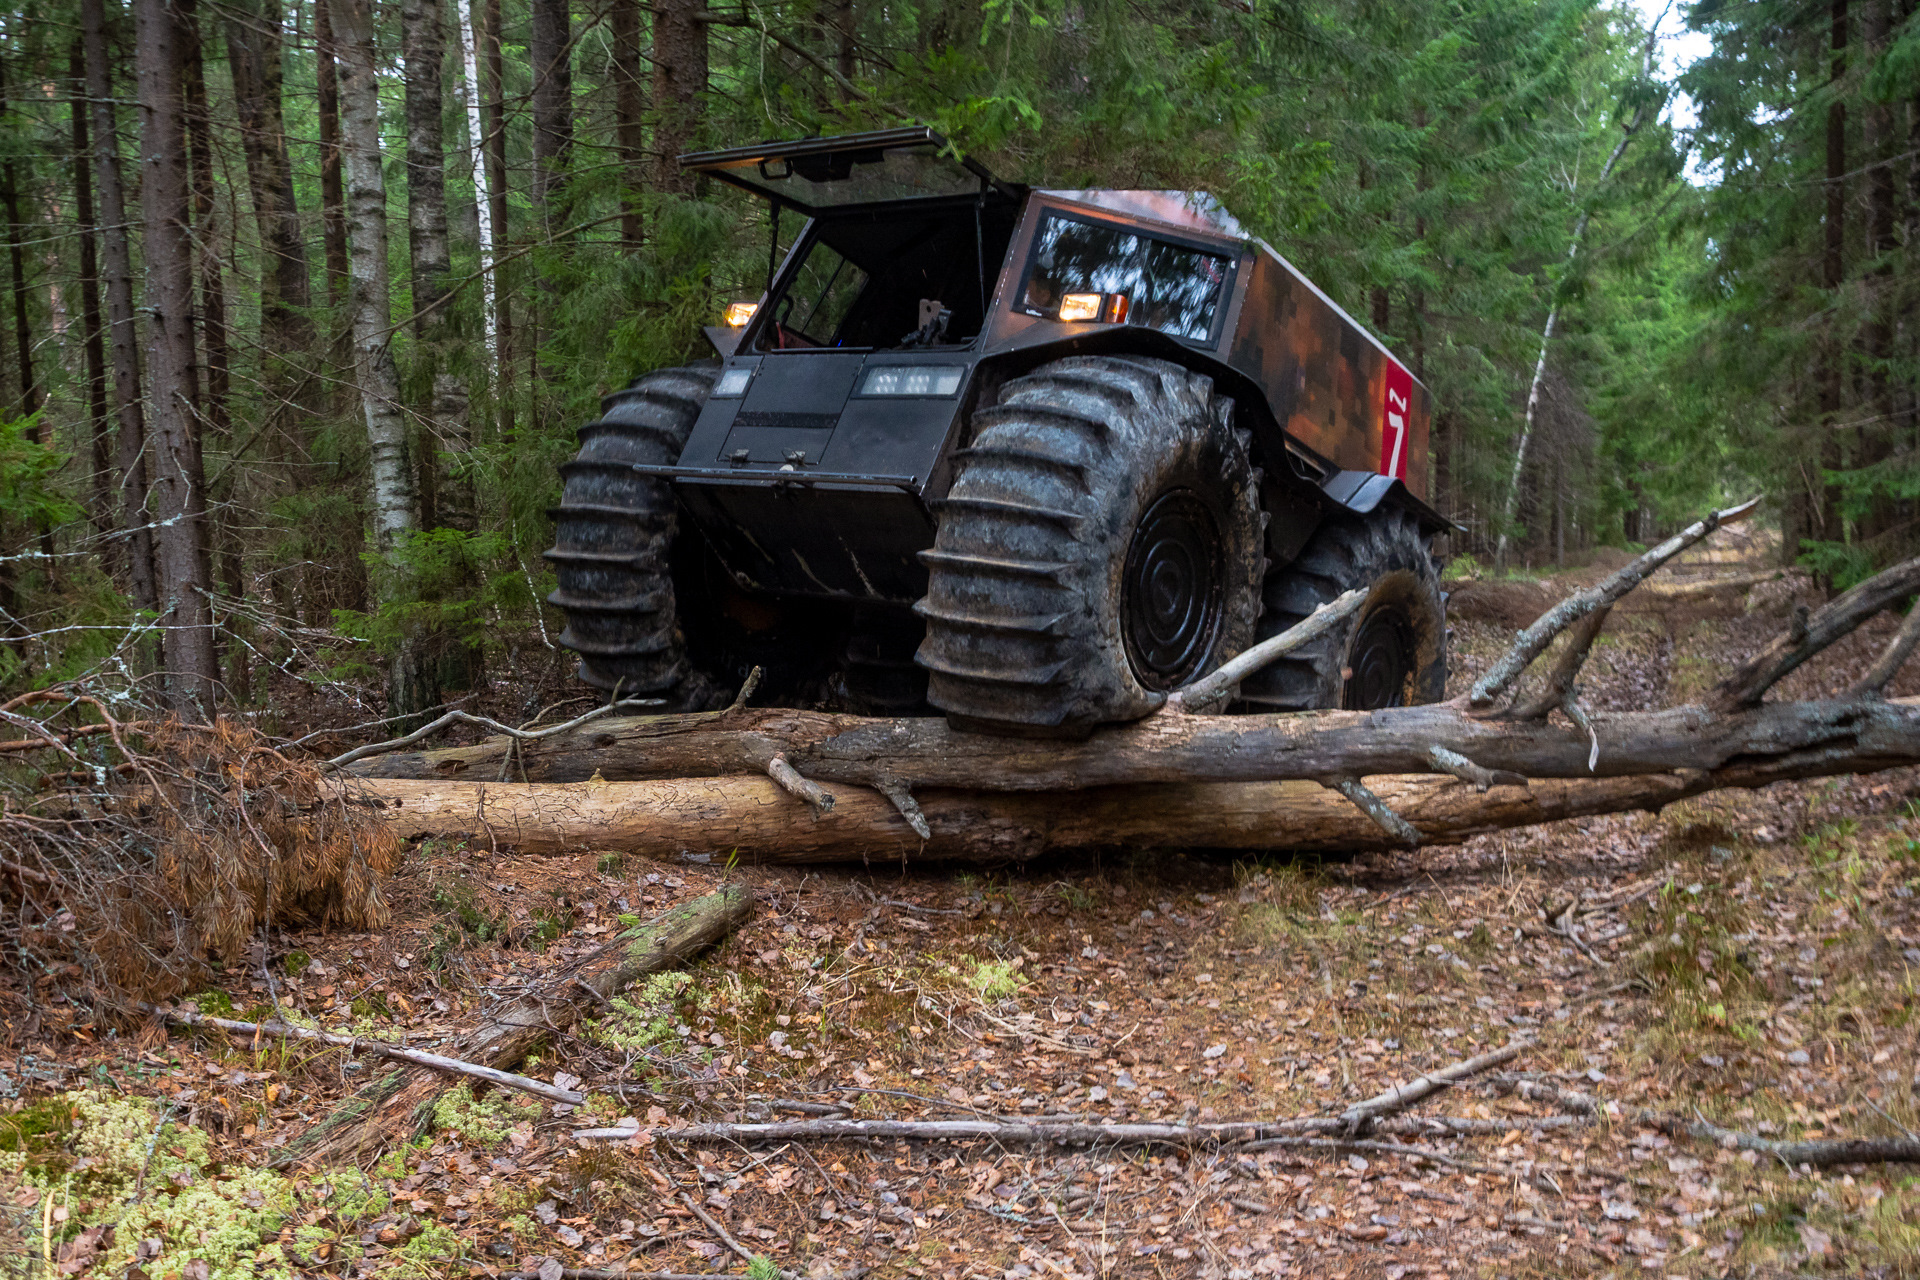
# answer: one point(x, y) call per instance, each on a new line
point(1101, 546)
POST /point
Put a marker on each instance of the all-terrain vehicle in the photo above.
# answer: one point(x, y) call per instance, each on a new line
point(1033, 457)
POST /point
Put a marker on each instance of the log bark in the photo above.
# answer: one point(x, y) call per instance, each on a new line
point(391, 1109)
point(1845, 734)
point(715, 817)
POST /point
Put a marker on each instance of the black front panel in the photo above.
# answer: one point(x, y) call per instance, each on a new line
point(828, 540)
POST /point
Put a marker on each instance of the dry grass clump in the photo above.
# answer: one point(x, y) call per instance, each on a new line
point(123, 880)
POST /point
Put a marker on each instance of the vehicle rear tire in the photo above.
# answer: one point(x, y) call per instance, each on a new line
point(613, 534)
point(1392, 653)
point(1100, 546)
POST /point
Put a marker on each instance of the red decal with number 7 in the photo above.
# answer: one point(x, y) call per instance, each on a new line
point(1396, 412)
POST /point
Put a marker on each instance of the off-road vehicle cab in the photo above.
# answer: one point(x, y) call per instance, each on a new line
point(1033, 457)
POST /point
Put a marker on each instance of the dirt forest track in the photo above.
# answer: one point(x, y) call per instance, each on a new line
point(1747, 959)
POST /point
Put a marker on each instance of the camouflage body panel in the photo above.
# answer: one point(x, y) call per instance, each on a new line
point(1332, 385)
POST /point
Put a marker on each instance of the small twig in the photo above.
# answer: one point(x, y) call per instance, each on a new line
point(462, 717)
point(1467, 771)
point(1361, 1115)
point(437, 1062)
point(1576, 713)
point(716, 1228)
point(1220, 683)
point(747, 687)
point(795, 785)
point(902, 800)
point(1376, 808)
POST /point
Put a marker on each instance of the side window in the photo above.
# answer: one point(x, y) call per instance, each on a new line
point(816, 304)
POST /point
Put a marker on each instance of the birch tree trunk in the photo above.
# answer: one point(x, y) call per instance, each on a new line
point(482, 188)
point(130, 447)
point(392, 498)
point(179, 483)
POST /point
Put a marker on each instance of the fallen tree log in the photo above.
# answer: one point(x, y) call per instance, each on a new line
point(704, 817)
point(1493, 736)
point(1326, 744)
point(392, 1107)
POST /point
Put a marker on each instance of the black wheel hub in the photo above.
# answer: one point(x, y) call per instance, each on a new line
point(1380, 661)
point(1170, 590)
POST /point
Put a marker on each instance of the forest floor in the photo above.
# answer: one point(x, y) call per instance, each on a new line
point(1749, 958)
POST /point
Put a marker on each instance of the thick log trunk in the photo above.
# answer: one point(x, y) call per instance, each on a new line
point(391, 1108)
point(756, 818)
point(1867, 733)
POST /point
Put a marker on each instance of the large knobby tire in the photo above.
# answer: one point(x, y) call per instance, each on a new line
point(1392, 653)
point(1100, 546)
point(613, 533)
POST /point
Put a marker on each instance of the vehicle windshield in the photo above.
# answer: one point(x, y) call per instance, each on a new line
point(1165, 286)
point(912, 279)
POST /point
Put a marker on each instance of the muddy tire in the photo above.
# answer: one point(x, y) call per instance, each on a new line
point(1392, 653)
point(1100, 546)
point(613, 534)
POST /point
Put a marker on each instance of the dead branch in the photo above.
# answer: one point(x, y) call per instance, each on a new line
point(1361, 1115)
point(1452, 762)
point(1891, 659)
point(1839, 617)
point(439, 1062)
point(457, 716)
point(388, 1109)
point(1533, 642)
point(1376, 810)
point(1559, 686)
point(798, 787)
point(1220, 683)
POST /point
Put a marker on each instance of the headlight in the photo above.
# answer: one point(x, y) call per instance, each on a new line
point(1111, 308)
point(913, 380)
point(738, 313)
point(733, 382)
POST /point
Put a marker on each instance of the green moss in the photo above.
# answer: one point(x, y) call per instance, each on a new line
point(645, 1018)
point(38, 1133)
point(192, 1205)
point(480, 1122)
point(214, 1004)
point(430, 1253)
point(297, 962)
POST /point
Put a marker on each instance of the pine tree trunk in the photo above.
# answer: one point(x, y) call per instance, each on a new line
point(395, 516)
point(629, 109)
point(130, 451)
point(286, 330)
point(1876, 335)
point(679, 82)
point(100, 422)
point(179, 482)
point(550, 58)
point(332, 199)
point(1832, 455)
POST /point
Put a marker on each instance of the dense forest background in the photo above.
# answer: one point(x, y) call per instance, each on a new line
point(305, 298)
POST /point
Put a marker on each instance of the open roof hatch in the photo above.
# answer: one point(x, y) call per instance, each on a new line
point(852, 171)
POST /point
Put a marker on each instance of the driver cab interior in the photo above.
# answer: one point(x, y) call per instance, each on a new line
point(918, 278)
